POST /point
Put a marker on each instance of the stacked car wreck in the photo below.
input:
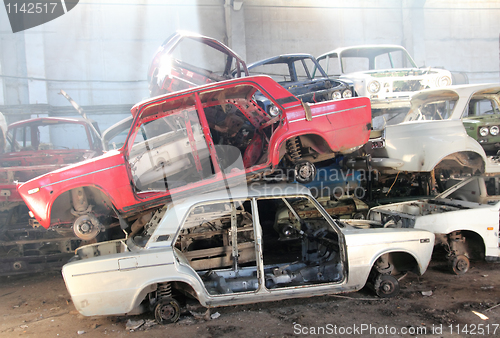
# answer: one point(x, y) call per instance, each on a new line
point(28, 153)
point(182, 186)
point(192, 141)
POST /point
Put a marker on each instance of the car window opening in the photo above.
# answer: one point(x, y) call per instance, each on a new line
point(299, 246)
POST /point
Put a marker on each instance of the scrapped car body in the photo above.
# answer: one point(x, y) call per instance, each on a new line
point(35, 147)
point(192, 141)
point(221, 249)
point(40, 145)
point(386, 74)
point(295, 73)
point(432, 139)
point(187, 60)
point(482, 121)
point(464, 219)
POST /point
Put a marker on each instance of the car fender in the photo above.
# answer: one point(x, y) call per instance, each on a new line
point(182, 277)
point(365, 246)
point(415, 142)
point(471, 146)
point(40, 193)
point(421, 259)
point(472, 220)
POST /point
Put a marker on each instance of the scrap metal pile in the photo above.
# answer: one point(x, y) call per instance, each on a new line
point(189, 189)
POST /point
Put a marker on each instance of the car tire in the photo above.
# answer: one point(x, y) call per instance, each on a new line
point(386, 286)
point(305, 172)
point(460, 265)
point(167, 311)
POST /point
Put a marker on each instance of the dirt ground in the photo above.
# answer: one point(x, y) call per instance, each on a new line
point(38, 305)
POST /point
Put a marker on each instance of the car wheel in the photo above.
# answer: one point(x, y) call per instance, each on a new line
point(167, 311)
point(386, 286)
point(460, 264)
point(305, 172)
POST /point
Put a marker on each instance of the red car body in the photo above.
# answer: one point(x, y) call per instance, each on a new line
point(30, 151)
point(191, 141)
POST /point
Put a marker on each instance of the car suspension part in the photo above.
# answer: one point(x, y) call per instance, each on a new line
point(304, 171)
point(167, 309)
point(86, 225)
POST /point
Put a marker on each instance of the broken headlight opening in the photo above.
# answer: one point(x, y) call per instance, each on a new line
point(336, 95)
point(374, 87)
point(346, 94)
point(273, 110)
point(377, 143)
point(443, 81)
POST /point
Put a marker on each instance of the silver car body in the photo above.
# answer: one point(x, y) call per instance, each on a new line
point(115, 277)
point(423, 140)
point(386, 74)
point(470, 207)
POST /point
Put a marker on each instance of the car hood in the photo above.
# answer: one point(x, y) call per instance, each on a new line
point(401, 72)
point(482, 119)
point(107, 160)
point(45, 157)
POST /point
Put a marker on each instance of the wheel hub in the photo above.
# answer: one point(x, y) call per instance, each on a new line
point(387, 287)
point(86, 227)
point(461, 265)
point(305, 171)
point(167, 312)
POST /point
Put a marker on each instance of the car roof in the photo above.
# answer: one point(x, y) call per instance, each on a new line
point(282, 58)
point(465, 90)
point(51, 120)
point(359, 49)
point(178, 208)
point(258, 82)
point(255, 189)
point(214, 43)
point(286, 58)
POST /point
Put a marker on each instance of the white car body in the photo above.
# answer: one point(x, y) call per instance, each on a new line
point(425, 140)
point(112, 278)
point(465, 215)
point(386, 74)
